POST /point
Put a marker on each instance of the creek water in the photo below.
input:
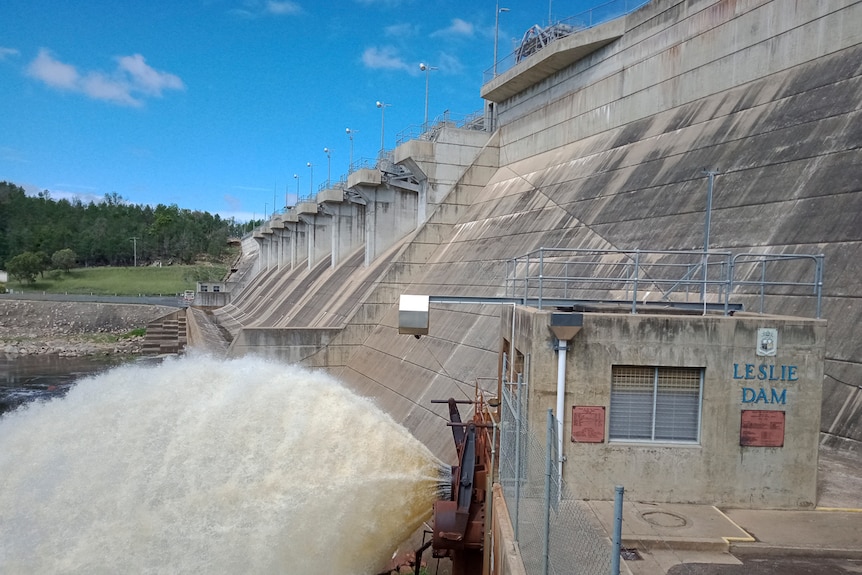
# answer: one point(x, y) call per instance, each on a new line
point(203, 465)
point(29, 378)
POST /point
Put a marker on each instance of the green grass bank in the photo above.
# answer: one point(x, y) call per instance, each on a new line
point(123, 281)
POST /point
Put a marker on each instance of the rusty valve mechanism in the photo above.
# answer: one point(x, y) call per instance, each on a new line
point(459, 523)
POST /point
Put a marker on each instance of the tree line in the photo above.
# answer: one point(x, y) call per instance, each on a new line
point(67, 233)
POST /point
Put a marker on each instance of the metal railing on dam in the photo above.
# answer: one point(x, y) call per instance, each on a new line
point(430, 130)
point(538, 38)
point(682, 278)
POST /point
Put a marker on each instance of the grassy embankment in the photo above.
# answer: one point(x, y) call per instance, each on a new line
point(167, 280)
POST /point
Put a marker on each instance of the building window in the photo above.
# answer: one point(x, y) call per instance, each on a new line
point(203, 288)
point(660, 404)
point(216, 288)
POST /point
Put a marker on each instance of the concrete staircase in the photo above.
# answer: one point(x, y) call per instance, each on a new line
point(167, 334)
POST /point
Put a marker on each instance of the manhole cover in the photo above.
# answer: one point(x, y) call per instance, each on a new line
point(664, 519)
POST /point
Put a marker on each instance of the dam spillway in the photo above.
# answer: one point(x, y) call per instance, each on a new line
point(599, 143)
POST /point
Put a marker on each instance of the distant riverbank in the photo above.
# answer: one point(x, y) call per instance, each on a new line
point(72, 329)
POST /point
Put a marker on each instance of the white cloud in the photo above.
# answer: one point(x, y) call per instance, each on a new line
point(53, 72)
point(404, 30)
point(384, 3)
point(449, 64)
point(100, 87)
point(59, 192)
point(147, 79)
point(257, 8)
point(4, 52)
point(458, 27)
point(132, 79)
point(385, 58)
point(13, 155)
point(282, 8)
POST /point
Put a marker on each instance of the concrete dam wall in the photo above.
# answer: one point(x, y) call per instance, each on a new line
point(601, 142)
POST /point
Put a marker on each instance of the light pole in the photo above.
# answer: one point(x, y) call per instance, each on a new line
point(328, 153)
point(427, 69)
point(311, 179)
point(711, 182)
point(497, 33)
point(350, 137)
point(296, 177)
point(382, 106)
point(135, 244)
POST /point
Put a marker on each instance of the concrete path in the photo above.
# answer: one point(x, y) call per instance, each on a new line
point(704, 540)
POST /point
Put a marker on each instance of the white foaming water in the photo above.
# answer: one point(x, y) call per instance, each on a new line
point(201, 465)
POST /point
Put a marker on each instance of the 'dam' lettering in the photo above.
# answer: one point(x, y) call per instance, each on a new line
point(751, 395)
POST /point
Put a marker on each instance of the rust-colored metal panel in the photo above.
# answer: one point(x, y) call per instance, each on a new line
point(588, 424)
point(761, 428)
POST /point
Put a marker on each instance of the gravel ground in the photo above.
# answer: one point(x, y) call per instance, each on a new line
point(30, 327)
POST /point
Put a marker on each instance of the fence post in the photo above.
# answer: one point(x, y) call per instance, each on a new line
point(635, 282)
point(618, 530)
point(818, 279)
point(546, 538)
point(541, 274)
point(518, 463)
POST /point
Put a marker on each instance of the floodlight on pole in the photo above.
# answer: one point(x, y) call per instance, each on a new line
point(382, 106)
point(328, 153)
point(497, 33)
point(350, 137)
point(296, 177)
point(311, 180)
point(427, 69)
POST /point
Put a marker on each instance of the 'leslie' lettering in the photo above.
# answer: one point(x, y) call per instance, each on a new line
point(764, 372)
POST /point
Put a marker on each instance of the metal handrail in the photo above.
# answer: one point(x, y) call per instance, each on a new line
point(762, 260)
point(329, 185)
point(554, 274)
point(528, 45)
point(430, 130)
point(362, 164)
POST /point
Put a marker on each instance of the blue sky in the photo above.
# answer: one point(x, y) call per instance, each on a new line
point(215, 104)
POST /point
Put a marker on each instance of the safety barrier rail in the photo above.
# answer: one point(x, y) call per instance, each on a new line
point(537, 38)
point(429, 130)
point(680, 277)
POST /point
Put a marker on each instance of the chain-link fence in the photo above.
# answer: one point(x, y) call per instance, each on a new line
point(556, 533)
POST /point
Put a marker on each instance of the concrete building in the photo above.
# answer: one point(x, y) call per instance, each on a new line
point(211, 294)
point(679, 408)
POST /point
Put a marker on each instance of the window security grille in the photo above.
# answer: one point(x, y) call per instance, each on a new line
point(657, 404)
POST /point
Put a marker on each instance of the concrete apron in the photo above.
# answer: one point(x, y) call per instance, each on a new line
point(648, 526)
